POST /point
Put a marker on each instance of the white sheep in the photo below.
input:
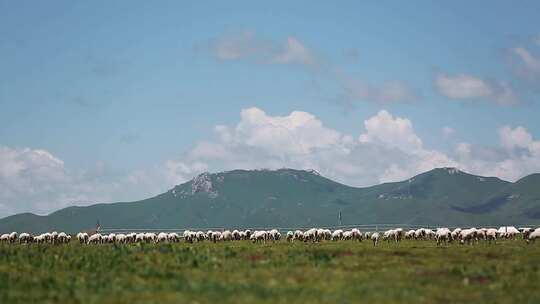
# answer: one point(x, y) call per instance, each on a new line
point(25, 238)
point(162, 237)
point(62, 237)
point(443, 235)
point(4, 238)
point(298, 235)
point(173, 237)
point(40, 239)
point(508, 232)
point(310, 235)
point(375, 238)
point(356, 234)
point(121, 238)
point(274, 235)
point(491, 235)
point(409, 234)
point(259, 236)
point(94, 239)
point(82, 237)
point(533, 236)
point(337, 235)
point(13, 237)
point(289, 236)
point(526, 231)
point(468, 235)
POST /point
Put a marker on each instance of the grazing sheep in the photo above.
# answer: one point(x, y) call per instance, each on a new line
point(367, 235)
point(356, 235)
point(236, 235)
point(455, 233)
point(173, 237)
point(62, 237)
point(274, 235)
point(94, 239)
point(409, 234)
point(13, 237)
point(40, 239)
point(259, 236)
point(375, 238)
point(226, 236)
point(82, 237)
point(443, 235)
point(526, 232)
point(162, 237)
point(508, 232)
point(491, 235)
point(290, 236)
point(25, 238)
point(216, 236)
point(4, 238)
point(310, 235)
point(298, 235)
point(337, 235)
point(393, 234)
point(53, 237)
point(533, 236)
point(468, 235)
point(121, 238)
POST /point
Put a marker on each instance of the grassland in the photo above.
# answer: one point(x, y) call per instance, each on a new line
point(242, 272)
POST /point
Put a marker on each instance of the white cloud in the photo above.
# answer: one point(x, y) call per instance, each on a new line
point(448, 131)
point(297, 133)
point(467, 87)
point(517, 156)
point(248, 46)
point(518, 137)
point(525, 65)
point(241, 46)
point(529, 61)
point(294, 52)
point(393, 132)
point(389, 92)
point(35, 180)
point(385, 149)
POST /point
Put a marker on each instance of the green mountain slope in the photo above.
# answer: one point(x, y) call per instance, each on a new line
point(297, 198)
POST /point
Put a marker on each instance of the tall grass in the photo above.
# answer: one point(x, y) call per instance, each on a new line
point(242, 272)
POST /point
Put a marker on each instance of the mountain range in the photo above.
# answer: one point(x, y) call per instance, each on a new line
point(304, 198)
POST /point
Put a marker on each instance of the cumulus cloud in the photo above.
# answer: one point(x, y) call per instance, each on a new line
point(467, 87)
point(393, 132)
point(36, 180)
point(517, 155)
point(385, 148)
point(388, 149)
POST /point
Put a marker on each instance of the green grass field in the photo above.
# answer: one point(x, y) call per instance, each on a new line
point(242, 272)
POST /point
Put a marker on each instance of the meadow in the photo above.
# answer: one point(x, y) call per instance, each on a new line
point(243, 272)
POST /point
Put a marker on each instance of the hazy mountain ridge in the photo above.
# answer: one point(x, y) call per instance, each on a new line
point(293, 198)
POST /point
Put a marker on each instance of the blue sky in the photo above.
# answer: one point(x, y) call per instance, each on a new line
point(106, 101)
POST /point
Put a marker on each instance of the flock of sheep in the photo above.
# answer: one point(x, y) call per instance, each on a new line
point(440, 235)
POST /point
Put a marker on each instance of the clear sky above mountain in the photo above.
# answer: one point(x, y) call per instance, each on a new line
point(106, 101)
